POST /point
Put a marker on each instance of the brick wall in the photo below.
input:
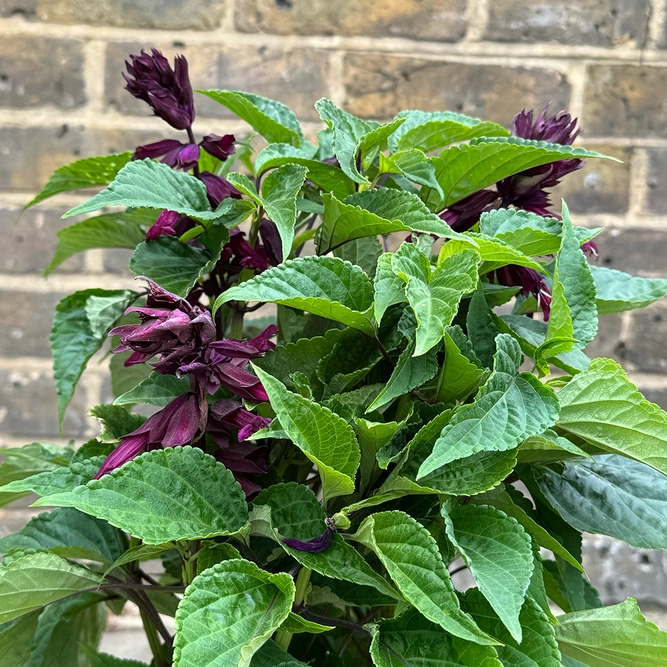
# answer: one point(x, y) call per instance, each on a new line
point(61, 98)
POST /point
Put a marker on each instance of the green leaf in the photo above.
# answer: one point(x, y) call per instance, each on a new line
point(106, 660)
point(410, 372)
point(532, 234)
point(75, 337)
point(413, 561)
point(324, 437)
point(414, 165)
point(16, 640)
point(325, 286)
point(113, 230)
point(273, 120)
point(271, 655)
point(190, 496)
point(481, 327)
point(35, 580)
point(141, 552)
point(498, 553)
point(297, 624)
point(86, 173)
point(604, 408)
point(172, 264)
point(279, 193)
point(459, 376)
point(509, 408)
point(537, 648)
point(149, 184)
point(389, 288)
point(116, 421)
point(434, 294)
point(124, 378)
point(618, 291)
point(616, 636)
point(413, 641)
point(248, 605)
point(429, 131)
point(364, 252)
point(610, 495)
point(68, 533)
point(462, 170)
point(494, 254)
point(573, 309)
point(156, 389)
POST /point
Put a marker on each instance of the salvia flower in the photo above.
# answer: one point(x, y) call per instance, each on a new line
point(530, 281)
point(173, 153)
point(217, 146)
point(169, 223)
point(169, 326)
point(167, 91)
point(317, 544)
point(176, 424)
point(218, 188)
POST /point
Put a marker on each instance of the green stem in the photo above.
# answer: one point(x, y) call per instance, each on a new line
point(283, 638)
point(153, 640)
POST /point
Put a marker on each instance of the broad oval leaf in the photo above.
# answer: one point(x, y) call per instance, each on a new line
point(325, 286)
point(413, 561)
point(604, 408)
point(32, 581)
point(86, 173)
point(509, 408)
point(611, 495)
point(228, 612)
point(156, 389)
point(272, 119)
point(618, 291)
point(324, 437)
point(167, 494)
point(499, 555)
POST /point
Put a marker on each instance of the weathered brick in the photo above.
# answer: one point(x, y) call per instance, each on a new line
point(31, 240)
point(295, 77)
point(381, 86)
point(608, 342)
point(636, 251)
point(37, 152)
point(656, 200)
point(160, 14)
point(645, 348)
point(602, 186)
point(438, 20)
point(657, 395)
point(592, 22)
point(30, 406)
point(25, 323)
point(117, 260)
point(41, 71)
point(625, 101)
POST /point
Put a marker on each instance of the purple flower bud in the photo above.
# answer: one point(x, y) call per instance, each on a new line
point(590, 248)
point(317, 544)
point(217, 146)
point(168, 92)
point(465, 213)
point(176, 154)
point(272, 242)
point(560, 128)
point(530, 282)
point(169, 223)
point(176, 424)
point(218, 188)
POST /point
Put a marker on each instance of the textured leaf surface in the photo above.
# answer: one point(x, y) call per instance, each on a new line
point(509, 408)
point(413, 561)
point(363, 252)
point(273, 120)
point(413, 641)
point(77, 334)
point(32, 581)
point(434, 294)
point(163, 495)
point(618, 291)
point(414, 165)
point(156, 389)
point(86, 173)
point(616, 636)
point(459, 376)
point(228, 612)
point(603, 407)
point(324, 437)
point(324, 286)
point(16, 640)
point(389, 288)
point(499, 554)
point(611, 495)
point(537, 648)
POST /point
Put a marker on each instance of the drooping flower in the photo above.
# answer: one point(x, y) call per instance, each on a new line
point(217, 146)
point(173, 153)
point(169, 223)
point(317, 544)
point(167, 91)
point(218, 188)
point(273, 248)
point(530, 281)
point(463, 214)
point(170, 326)
point(176, 424)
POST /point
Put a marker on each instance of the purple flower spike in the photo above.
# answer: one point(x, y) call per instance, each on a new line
point(530, 282)
point(167, 91)
point(173, 153)
point(176, 424)
point(317, 544)
point(217, 146)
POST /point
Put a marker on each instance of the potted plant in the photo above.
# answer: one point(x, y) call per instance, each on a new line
point(418, 401)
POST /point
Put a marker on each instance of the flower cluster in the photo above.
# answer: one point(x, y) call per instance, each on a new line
point(178, 338)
